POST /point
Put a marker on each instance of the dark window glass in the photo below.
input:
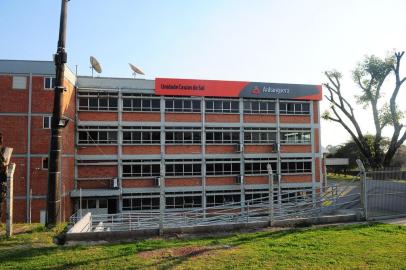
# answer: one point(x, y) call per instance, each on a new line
point(156, 105)
point(196, 105)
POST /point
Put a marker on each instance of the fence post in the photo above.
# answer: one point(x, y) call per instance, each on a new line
point(364, 191)
point(9, 200)
point(161, 183)
point(270, 182)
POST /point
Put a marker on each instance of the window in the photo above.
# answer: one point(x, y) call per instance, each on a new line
point(183, 167)
point(183, 201)
point(222, 106)
point(98, 101)
point(183, 135)
point(295, 136)
point(294, 108)
point(218, 198)
point(44, 164)
point(19, 82)
point(49, 83)
point(259, 107)
point(141, 135)
point(223, 166)
point(259, 166)
point(46, 121)
point(140, 203)
point(259, 135)
point(256, 196)
point(141, 103)
point(141, 168)
point(296, 165)
point(97, 135)
point(222, 135)
point(182, 105)
point(102, 203)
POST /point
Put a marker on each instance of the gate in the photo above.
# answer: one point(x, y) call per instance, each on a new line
point(383, 193)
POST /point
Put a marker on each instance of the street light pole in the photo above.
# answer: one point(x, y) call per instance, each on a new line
point(54, 168)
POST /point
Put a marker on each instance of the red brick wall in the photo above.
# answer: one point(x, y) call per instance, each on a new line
point(219, 149)
point(178, 182)
point(255, 180)
point(295, 119)
point(141, 149)
point(296, 148)
point(316, 140)
point(182, 117)
point(97, 116)
point(14, 129)
point(42, 100)
point(254, 118)
point(142, 116)
point(315, 112)
point(40, 137)
point(299, 178)
point(223, 118)
point(182, 149)
point(98, 171)
point(217, 181)
point(94, 184)
point(39, 177)
point(12, 100)
point(258, 148)
point(20, 173)
point(138, 183)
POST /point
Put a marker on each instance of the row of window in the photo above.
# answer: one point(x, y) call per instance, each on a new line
point(20, 83)
point(214, 167)
point(152, 135)
point(104, 101)
point(195, 200)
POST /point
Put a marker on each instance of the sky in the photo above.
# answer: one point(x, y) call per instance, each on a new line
point(290, 41)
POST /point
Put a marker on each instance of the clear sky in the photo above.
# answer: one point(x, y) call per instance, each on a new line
point(291, 41)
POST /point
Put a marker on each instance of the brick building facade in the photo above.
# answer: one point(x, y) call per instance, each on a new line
point(129, 139)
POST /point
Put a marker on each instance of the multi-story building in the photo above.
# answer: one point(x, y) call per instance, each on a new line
point(26, 98)
point(202, 143)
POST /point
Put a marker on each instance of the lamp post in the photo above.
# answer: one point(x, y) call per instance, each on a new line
point(54, 171)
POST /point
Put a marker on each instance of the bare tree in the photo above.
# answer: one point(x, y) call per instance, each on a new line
point(369, 76)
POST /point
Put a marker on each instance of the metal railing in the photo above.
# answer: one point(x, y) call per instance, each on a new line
point(279, 206)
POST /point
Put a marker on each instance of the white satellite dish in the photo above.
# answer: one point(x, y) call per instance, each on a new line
point(136, 70)
point(95, 65)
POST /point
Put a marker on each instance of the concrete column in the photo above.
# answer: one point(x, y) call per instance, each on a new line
point(9, 199)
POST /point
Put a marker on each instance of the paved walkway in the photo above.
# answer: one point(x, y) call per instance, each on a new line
point(396, 221)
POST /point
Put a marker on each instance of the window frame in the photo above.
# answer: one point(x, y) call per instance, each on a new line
point(47, 119)
point(52, 81)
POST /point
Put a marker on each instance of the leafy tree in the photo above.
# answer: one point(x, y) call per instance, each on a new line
point(369, 76)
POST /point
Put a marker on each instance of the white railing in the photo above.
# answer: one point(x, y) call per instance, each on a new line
point(286, 205)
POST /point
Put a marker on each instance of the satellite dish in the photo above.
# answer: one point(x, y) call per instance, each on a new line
point(136, 70)
point(95, 65)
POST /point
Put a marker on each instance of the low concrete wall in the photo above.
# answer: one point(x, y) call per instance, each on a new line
point(115, 236)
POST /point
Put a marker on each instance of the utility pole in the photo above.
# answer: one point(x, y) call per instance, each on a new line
point(54, 169)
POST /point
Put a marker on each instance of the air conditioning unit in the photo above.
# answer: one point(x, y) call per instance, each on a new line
point(240, 148)
point(157, 181)
point(239, 179)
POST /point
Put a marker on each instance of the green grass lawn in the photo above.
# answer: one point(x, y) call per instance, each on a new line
point(375, 246)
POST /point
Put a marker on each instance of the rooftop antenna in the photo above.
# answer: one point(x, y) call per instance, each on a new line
point(95, 65)
point(136, 70)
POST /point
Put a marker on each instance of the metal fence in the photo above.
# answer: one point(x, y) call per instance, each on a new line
point(280, 205)
point(385, 194)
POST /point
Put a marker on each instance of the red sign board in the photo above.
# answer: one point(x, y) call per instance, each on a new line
point(213, 88)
